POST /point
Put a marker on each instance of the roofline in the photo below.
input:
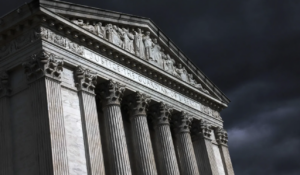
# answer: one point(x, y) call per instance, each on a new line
point(160, 32)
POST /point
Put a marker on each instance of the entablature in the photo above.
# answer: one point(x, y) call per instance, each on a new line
point(65, 27)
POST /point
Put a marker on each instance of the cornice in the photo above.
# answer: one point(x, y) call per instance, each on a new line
point(98, 44)
point(25, 13)
point(91, 41)
point(69, 9)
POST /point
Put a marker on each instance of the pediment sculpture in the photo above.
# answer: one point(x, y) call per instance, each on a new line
point(142, 45)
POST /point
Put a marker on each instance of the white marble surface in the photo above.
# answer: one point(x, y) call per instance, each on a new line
point(74, 135)
point(217, 154)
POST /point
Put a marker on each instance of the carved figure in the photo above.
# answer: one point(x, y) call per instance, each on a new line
point(194, 82)
point(90, 28)
point(139, 44)
point(127, 38)
point(182, 73)
point(59, 40)
point(44, 33)
point(169, 65)
point(101, 31)
point(112, 35)
point(148, 45)
point(155, 54)
point(74, 47)
point(78, 22)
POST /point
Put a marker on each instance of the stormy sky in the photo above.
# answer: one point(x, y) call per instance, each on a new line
point(250, 49)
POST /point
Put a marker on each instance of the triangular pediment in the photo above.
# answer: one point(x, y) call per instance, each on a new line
point(123, 29)
point(138, 37)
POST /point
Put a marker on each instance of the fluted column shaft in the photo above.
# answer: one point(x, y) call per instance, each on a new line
point(86, 81)
point(222, 139)
point(167, 160)
point(141, 135)
point(6, 162)
point(111, 94)
point(185, 146)
point(43, 74)
point(203, 148)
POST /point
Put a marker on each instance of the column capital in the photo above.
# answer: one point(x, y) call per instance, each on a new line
point(221, 136)
point(201, 128)
point(86, 79)
point(111, 92)
point(43, 64)
point(182, 122)
point(138, 104)
point(4, 84)
point(161, 114)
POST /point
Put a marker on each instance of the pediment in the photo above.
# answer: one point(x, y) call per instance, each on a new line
point(121, 30)
point(138, 37)
point(142, 44)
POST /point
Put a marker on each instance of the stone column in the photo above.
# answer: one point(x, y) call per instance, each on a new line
point(86, 81)
point(43, 72)
point(167, 161)
point(111, 96)
point(6, 161)
point(206, 162)
point(140, 134)
point(186, 152)
point(222, 139)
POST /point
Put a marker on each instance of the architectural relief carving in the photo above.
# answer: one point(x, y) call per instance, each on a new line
point(19, 43)
point(43, 64)
point(86, 79)
point(111, 92)
point(168, 64)
point(142, 45)
point(216, 114)
point(222, 137)
point(139, 104)
point(59, 40)
point(139, 44)
point(4, 84)
point(201, 127)
point(182, 123)
point(161, 114)
point(71, 114)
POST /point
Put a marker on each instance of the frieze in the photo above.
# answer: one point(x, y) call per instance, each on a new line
point(19, 43)
point(142, 45)
point(128, 73)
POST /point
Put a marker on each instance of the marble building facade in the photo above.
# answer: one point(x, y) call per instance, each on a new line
point(86, 91)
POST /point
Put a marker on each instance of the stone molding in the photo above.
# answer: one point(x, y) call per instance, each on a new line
point(138, 104)
point(222, 136)
point(66, 43)
point(201, 128)
point(132, 75)
point(86, 79)
point(43, 64)
point(182, 123)
point(4, 84)
point(111, 92)
point(17, 44)
point(141, 45)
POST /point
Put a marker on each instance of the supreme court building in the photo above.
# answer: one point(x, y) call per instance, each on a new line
point(86, 91)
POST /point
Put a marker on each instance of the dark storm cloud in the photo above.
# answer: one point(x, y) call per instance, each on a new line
point(250, 50)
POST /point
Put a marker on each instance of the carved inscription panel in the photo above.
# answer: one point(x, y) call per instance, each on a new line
point(74, 135)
